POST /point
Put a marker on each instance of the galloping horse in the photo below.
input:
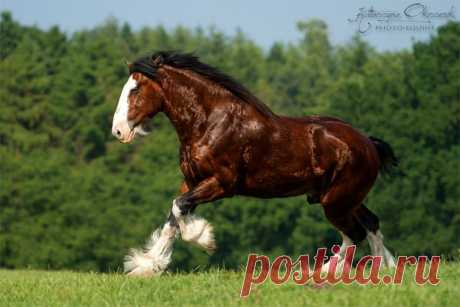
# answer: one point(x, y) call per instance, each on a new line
point(233, 144)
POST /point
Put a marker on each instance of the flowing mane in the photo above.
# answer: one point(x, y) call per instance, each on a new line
point(148, 66)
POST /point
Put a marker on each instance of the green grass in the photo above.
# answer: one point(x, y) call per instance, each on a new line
point(214, 288)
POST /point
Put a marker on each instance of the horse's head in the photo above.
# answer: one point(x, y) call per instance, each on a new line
point(140, 99)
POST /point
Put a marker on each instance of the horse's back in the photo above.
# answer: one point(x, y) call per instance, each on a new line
point(332, 126)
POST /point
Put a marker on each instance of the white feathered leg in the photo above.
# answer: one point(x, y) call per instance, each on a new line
point(155, 257)
point(195, 229)
point(346, 241)
point(378, 249)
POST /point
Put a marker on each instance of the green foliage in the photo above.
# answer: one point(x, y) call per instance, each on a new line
point(72, 197)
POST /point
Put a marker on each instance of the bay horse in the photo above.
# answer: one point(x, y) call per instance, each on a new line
point(233, 144)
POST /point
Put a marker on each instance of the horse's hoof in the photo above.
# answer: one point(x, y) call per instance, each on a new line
point(198, 231)
point(137, 263)
point(210, 246)
point(155, 258)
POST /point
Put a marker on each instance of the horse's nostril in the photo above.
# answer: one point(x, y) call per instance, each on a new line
point(118, 133)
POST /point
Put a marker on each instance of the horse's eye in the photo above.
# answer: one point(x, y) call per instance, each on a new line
point(134, 90)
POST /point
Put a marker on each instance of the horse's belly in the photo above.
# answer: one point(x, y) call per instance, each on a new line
point(269, 186)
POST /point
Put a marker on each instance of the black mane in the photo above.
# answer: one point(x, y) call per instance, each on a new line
point(148, 66)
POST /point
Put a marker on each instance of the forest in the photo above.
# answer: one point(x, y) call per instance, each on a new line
point(72, 197)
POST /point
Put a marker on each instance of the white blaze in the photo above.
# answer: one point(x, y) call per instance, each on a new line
point(120, 118)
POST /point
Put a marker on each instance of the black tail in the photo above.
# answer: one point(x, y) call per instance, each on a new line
point(388, 161)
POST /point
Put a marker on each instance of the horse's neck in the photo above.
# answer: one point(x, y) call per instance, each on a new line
point(190, 99)
point(186, 120)
point(185, 105)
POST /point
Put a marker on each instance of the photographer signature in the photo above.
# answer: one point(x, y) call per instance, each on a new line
point(414, 13)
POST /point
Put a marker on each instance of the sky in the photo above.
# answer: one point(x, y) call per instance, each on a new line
point(265, 22)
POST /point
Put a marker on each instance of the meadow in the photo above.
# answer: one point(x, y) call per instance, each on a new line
point(212, 288)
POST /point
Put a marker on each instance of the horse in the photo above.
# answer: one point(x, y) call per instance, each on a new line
point(232, 144)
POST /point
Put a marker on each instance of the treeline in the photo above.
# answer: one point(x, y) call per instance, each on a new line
point(72, 197)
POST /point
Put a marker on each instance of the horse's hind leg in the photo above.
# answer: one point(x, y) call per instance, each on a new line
point(371, 222)
point(351, 230)
point(346, 223)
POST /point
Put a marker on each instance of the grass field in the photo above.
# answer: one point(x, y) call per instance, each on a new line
point(214, 288)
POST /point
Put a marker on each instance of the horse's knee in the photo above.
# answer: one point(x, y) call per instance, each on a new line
point(181, 207)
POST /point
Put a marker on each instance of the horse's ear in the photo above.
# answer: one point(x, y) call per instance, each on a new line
point(158, 60)
point(129, 64)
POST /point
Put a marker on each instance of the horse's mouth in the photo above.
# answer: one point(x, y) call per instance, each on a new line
point(140, 129)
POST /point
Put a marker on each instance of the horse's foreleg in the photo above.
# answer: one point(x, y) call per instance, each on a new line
point(156, 255)
point(195, 229)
